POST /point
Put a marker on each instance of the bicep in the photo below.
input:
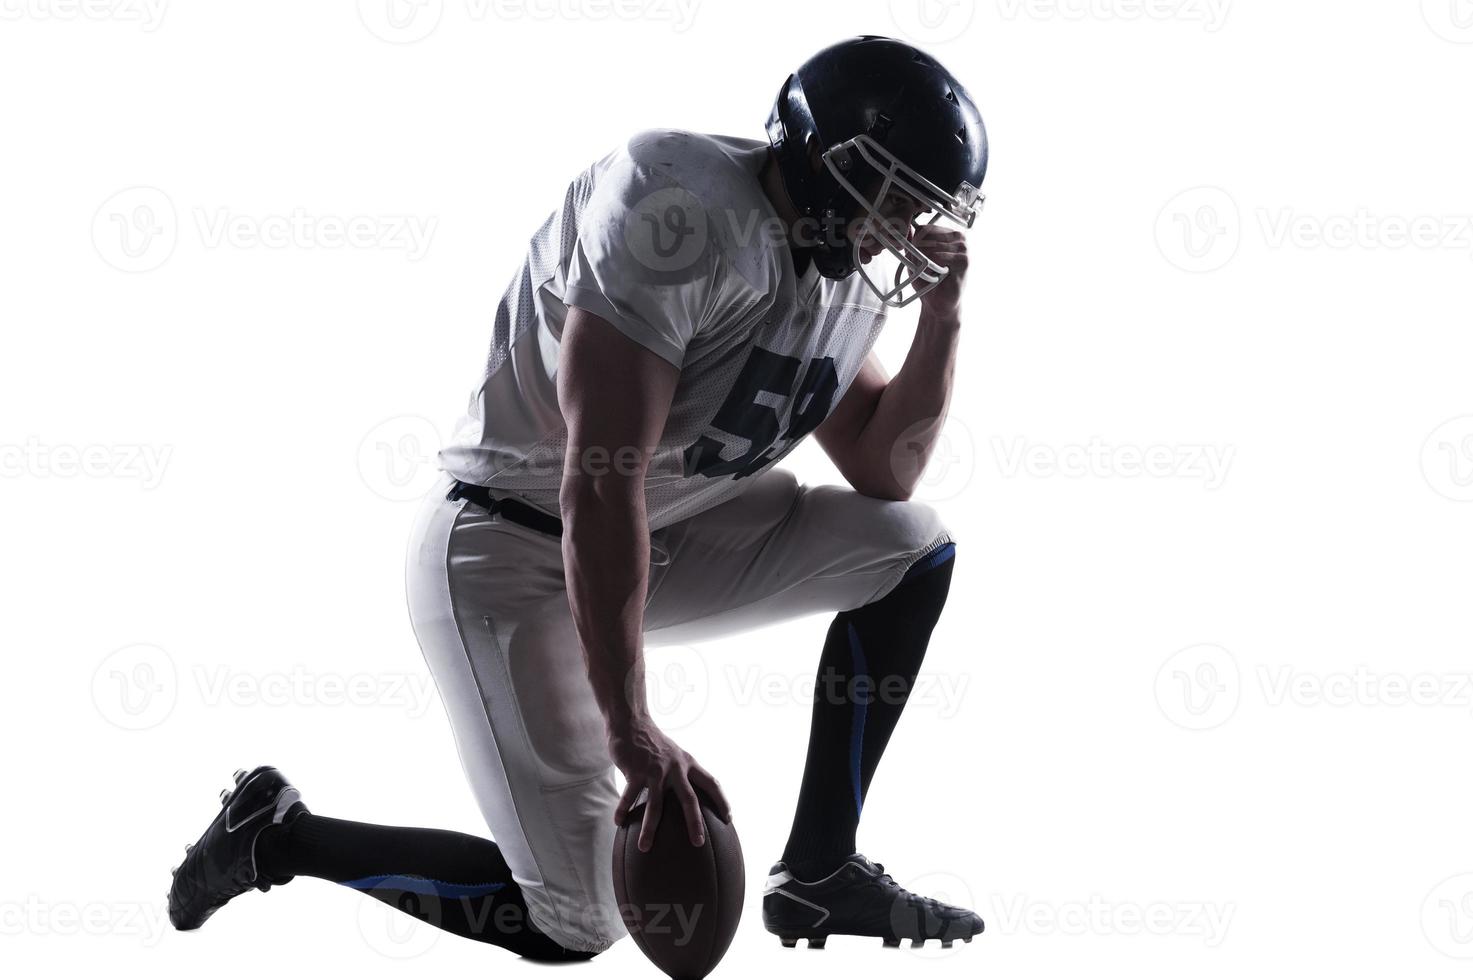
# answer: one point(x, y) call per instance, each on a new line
point(614, 394)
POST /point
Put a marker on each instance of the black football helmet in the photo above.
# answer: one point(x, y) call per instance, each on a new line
point(883, 117)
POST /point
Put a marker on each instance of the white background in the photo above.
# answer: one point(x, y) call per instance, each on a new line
point(1210, 468)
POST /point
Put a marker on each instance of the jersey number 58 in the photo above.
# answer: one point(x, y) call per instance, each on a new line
point(744, 415)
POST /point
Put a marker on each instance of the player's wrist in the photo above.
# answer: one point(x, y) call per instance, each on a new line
point(628, 723)
point(947, 320)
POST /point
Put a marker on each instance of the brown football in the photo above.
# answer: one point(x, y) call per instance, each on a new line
point(680, 903)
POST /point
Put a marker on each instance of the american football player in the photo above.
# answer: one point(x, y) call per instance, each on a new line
point(693, 308)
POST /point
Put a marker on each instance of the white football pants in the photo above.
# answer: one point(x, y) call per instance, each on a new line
point(487, 600)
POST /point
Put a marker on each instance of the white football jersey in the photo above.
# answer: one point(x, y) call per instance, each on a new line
point(672, 240)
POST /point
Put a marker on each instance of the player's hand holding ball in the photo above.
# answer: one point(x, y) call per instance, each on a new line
point(679, 882)
point(649, 759)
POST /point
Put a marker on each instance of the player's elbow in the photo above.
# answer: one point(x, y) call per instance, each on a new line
point(881, 490)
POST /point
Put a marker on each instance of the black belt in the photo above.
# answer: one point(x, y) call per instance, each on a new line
point(512, 510)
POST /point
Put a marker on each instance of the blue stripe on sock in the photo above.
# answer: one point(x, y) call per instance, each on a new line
point(856, 724)
point(925, 563)
point(426, 886)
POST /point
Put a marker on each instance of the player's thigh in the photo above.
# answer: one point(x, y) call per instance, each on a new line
point(784, 550)
point(492, 619)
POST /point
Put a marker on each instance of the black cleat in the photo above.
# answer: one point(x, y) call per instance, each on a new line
point(858, 899)
point(222, 863)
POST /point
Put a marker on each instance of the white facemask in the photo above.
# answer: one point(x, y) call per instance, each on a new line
point(916, 275)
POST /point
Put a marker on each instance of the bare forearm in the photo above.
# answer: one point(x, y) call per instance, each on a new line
point(606, 566)
point(900, 435)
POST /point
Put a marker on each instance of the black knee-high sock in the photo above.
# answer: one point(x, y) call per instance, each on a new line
point(452, 881)
point(869, 665)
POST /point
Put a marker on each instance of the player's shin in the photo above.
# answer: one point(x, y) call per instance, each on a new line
point(868, 668)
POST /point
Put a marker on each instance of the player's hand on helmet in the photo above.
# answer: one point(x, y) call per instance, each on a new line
point(650, 760)
point(947, 247)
